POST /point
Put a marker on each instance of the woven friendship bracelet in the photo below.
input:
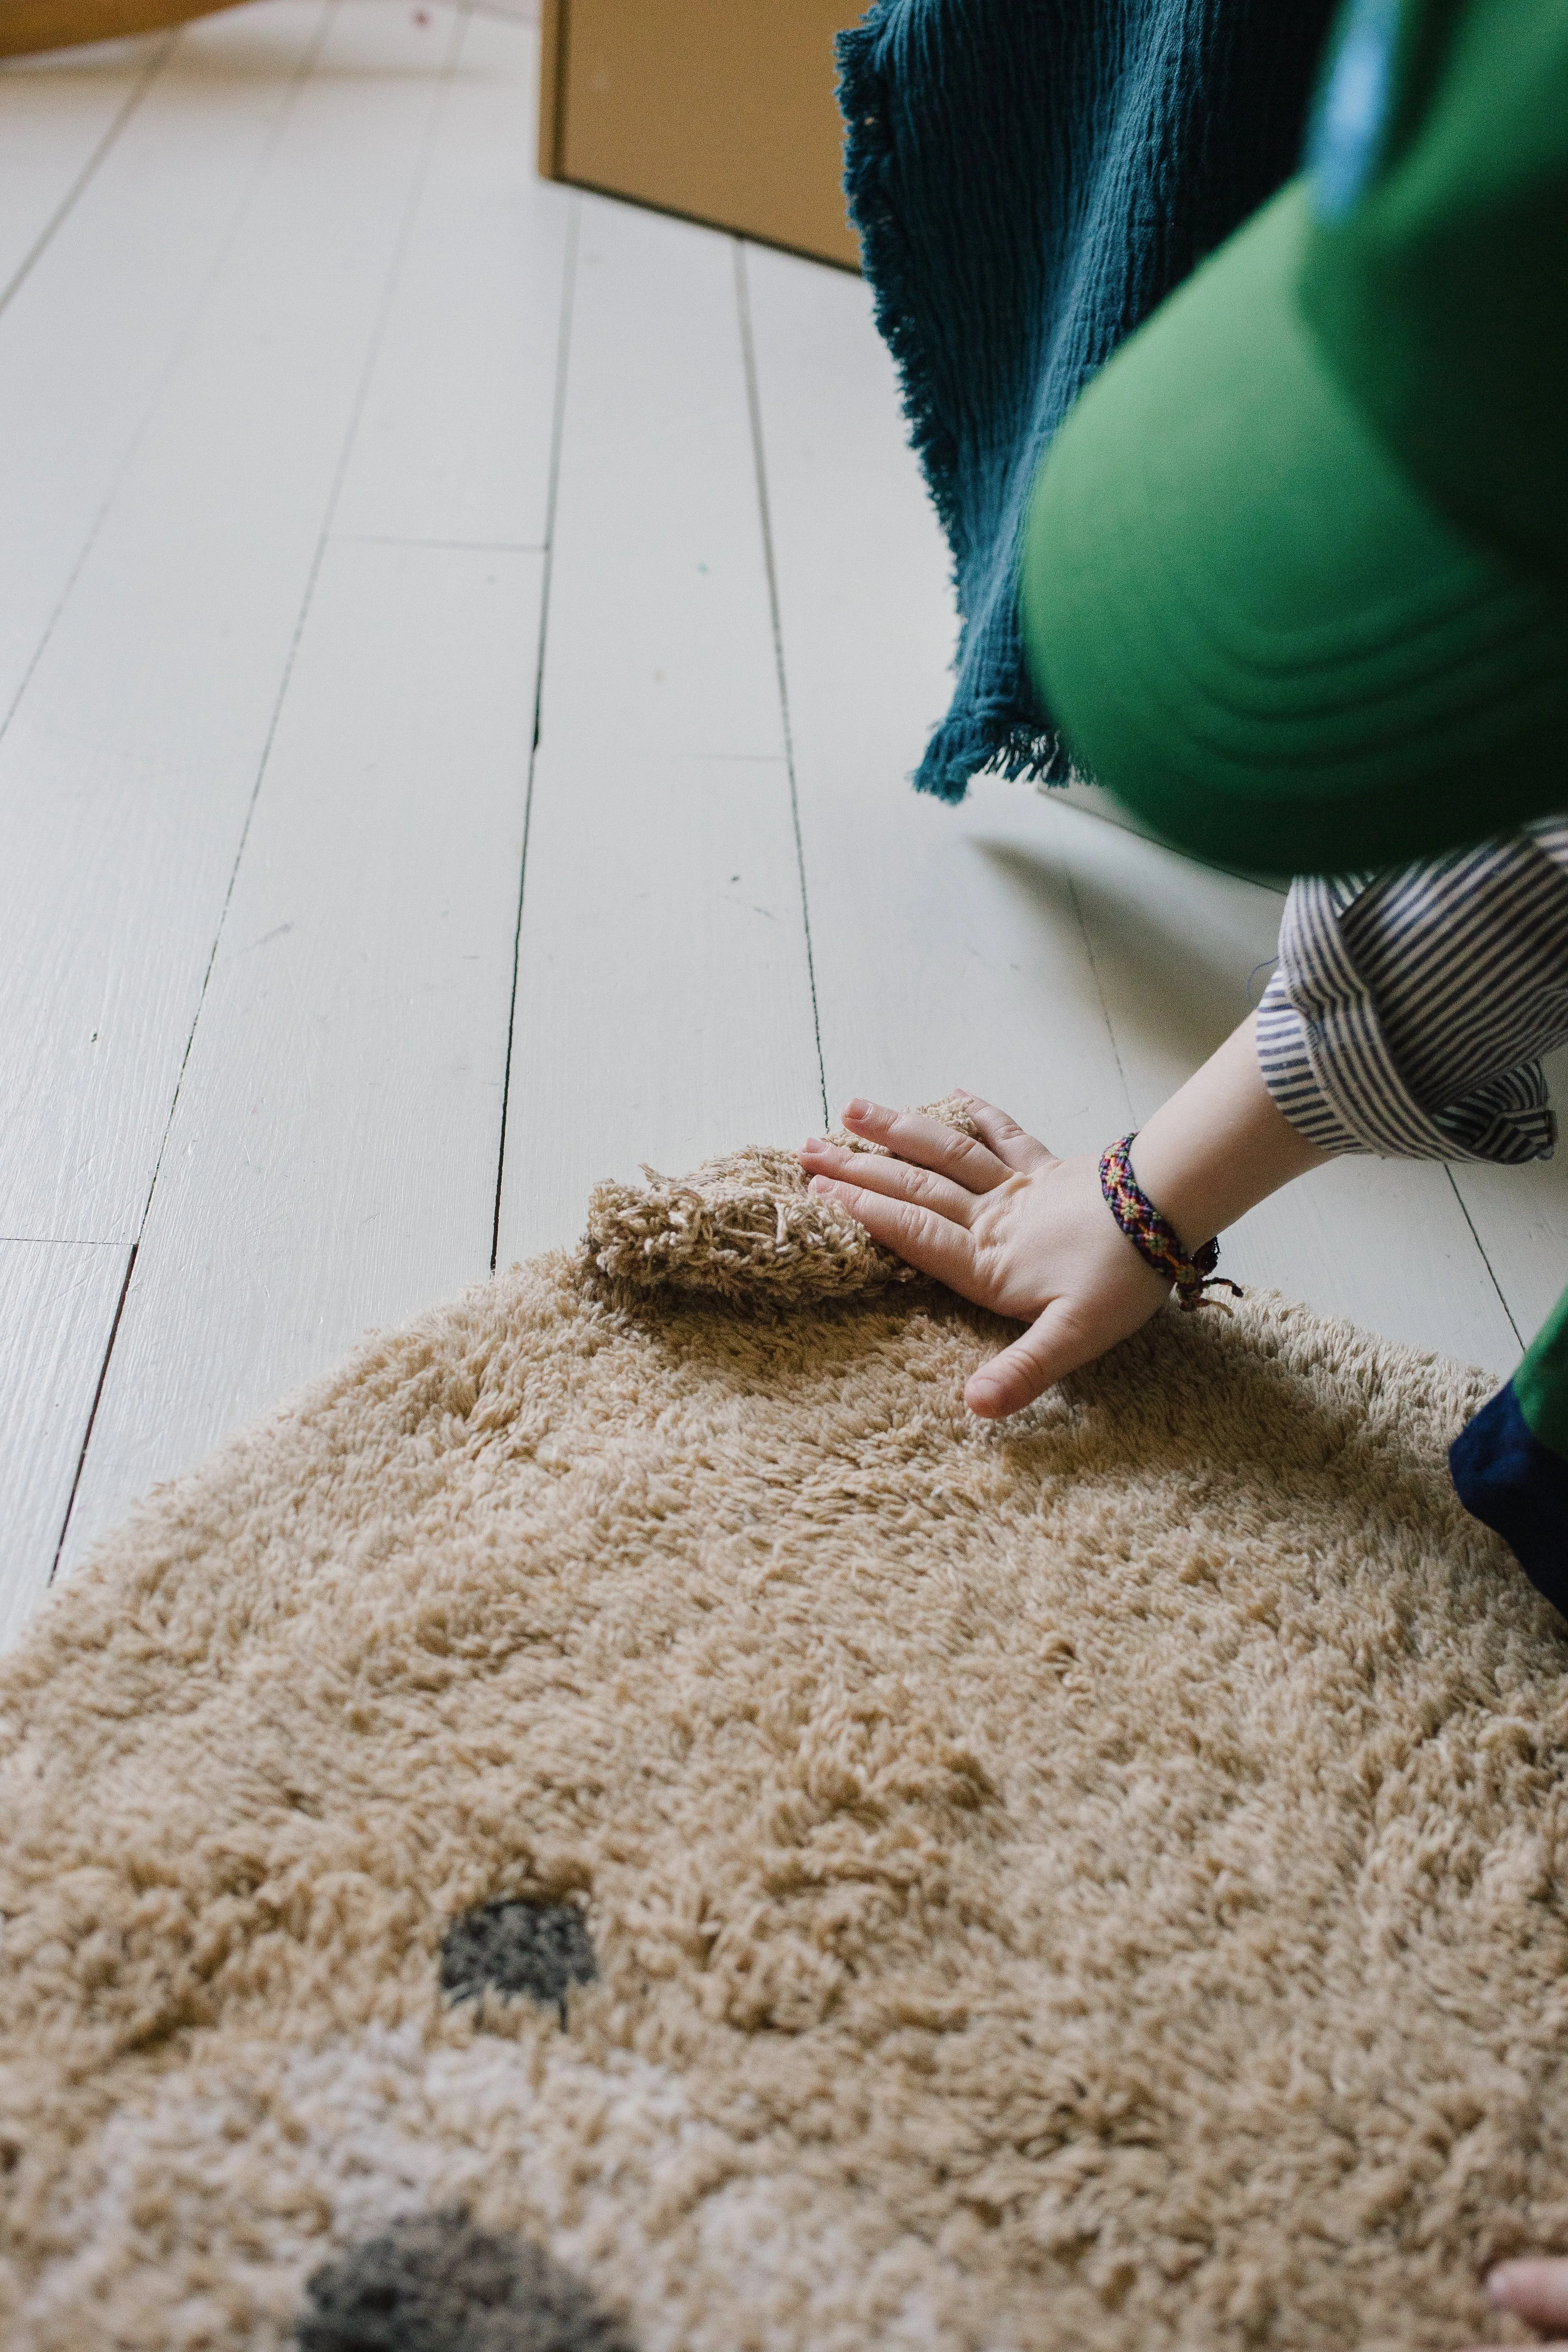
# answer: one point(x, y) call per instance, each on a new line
point(1155, 1237)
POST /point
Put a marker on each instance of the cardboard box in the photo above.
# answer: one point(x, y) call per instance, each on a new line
point(723, 110)
point(29, 25)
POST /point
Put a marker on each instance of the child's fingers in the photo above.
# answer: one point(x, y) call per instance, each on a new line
point(929, 1144)
point(1055, 1344)
point(1534, 2288)
point(932, 1244)
point(896, 1178)
point(1001, 1134)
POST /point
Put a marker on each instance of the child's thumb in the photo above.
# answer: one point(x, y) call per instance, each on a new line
point(1057, 1343)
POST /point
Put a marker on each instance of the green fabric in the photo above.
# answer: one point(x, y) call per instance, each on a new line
point(1253, 626)
point(1541, 1383)
point(1437, 275)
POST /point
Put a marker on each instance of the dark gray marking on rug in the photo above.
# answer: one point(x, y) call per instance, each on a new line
point(538, 1949)
point(437, 2283)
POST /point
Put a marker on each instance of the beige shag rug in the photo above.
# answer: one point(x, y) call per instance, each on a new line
point(625, 1818)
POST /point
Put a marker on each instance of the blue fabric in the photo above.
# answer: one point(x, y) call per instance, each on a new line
point(1507, 1478)
point(1029, 178)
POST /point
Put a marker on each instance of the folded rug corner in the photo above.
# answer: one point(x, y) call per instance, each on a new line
point(744, 1226)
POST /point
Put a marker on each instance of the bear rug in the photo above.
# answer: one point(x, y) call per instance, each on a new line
point(624, 1821)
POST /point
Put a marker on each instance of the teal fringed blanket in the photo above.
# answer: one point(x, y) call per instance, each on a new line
point(1029, 178)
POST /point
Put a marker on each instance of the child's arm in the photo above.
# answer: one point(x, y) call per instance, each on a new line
point(1006, 1225)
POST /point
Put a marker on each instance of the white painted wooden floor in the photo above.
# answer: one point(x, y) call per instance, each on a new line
point(461, 647)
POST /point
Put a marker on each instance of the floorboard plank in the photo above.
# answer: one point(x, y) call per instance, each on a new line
point(660, 634)
point(56, 113)
point(664, 1001)
point(332, 1163)
point(453, 441)
point(91, 335)
point(126, 776)
point(58, 1303)
point(664, 1006)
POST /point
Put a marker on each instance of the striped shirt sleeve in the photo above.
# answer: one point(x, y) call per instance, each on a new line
point(1410, 1009)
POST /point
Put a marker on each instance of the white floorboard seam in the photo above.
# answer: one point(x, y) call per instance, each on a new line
point(92, 1410)
point(1521, 1336)
point(417, 189)
point(759, 453)
point(158, 58)
point(557, 425)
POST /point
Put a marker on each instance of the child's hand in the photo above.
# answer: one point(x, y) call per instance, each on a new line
point(1003, 1224)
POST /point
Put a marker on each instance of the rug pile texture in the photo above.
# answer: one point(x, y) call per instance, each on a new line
point(624, 1821)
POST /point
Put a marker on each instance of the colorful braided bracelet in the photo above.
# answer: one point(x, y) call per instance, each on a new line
point(1155, 1237)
